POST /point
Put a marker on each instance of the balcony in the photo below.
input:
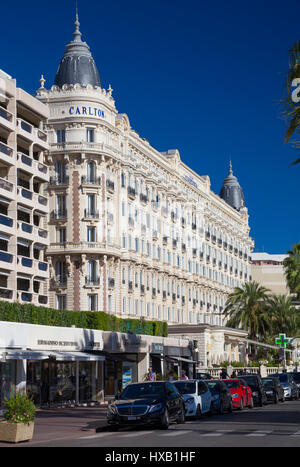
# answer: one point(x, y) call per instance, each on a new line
point(27, 194)
point(43, 299)
point(92, 281)
point(61, 281)
point(43, 233)
point(26, 297)
point(110, 185)
point(59, 214)
point(91, 214)
point(59, 181)
point(6, 153)
point(7, 221)
point(27, 228)
point(6, 294)
point(143, 198)
point(8, 188)
point(6, 257)
point(43, 266)
point(131, 192)
point(25, 160)
point(26, 262)
point(96, 181)
point(6, 118)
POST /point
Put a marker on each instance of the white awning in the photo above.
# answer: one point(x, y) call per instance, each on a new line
point(60, 356)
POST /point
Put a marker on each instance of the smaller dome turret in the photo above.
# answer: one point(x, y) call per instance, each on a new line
point(231, 191)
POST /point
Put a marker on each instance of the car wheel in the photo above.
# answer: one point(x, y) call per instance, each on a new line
point(181, 418)
point(241, 404)
point(113, 428)
point(251, 405)
point(165, 420)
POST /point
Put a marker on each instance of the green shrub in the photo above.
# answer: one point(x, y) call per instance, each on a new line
point(31, 314)
point(19, 408)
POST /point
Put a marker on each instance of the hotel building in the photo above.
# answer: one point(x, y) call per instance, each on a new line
point(24, 207)
point(133, 231)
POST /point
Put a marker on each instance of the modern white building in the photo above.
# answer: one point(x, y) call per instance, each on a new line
point(133, 231)
point(268, 270)
point(24, 205)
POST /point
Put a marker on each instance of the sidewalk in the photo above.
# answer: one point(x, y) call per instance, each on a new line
point(65, 423)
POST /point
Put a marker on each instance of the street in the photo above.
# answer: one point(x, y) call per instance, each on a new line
point(269, 426)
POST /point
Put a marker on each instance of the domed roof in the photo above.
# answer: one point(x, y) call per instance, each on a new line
point(231, 192)
point(77, 64)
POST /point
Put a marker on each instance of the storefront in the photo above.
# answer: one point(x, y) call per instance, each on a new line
point(54, 365)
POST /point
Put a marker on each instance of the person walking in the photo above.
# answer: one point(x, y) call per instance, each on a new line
point(151, 376)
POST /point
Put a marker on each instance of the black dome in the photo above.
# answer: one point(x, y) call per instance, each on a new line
point(231, 192)
point(77, 64)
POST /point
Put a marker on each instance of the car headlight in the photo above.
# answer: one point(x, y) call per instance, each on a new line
point(235, 396)
point(155, 408)
point(112, 409)
point(189, 401)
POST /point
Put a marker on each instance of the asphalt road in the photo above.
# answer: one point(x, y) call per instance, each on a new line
point(269, 426)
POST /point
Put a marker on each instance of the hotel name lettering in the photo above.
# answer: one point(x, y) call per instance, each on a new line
point(87, 111)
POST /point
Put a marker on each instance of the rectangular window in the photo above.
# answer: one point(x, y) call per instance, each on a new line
point(61, 302)
point(61, 136)
point(91, 234)
point(90, 135)
point(61, 235)
point(92, 302)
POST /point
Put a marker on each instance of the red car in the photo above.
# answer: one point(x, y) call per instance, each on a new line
point(241, 393)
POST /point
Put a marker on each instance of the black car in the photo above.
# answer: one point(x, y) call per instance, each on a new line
point(257, 387)
point(221, 396)
point(203, 376)
point(274, 390)
point(288, 383)
point(296, 378)
point(155, 403)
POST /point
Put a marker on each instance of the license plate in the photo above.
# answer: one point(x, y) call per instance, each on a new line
point(132, 418)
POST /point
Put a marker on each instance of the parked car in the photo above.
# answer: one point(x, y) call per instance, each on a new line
point(203, 376)
point(257, 387)
point(241, 393)
point(296, 378)
point(197, 397)
point(221, 396)
point(156, 403)
point(274, 390)
point(289, 386)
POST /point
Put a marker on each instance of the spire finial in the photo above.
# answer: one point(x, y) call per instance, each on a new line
point(77, 34)
point(230, 167)
point(42, 81)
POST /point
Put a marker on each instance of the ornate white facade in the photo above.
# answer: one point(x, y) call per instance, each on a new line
point(133, 231)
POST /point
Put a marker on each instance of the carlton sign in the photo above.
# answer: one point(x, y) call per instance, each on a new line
point(86, 111)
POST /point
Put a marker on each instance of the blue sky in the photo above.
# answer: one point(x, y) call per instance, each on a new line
point(203, 77)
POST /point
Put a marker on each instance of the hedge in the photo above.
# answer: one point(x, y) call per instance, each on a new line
point(31, 314)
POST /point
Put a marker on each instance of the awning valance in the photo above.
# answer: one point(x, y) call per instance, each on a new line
point(59, 356)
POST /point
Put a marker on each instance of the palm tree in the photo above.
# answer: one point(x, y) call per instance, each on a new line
point(291, 265)
point(283, 315)
point(246, 309)
point(291, 109)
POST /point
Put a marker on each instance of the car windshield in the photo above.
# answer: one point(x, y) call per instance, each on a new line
point(251, 380)
point(139, 391)
point(213, 386)
point(283, 377)
point(186, 387)
point(296, 377)
point(269, 383)
point(231, 384)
